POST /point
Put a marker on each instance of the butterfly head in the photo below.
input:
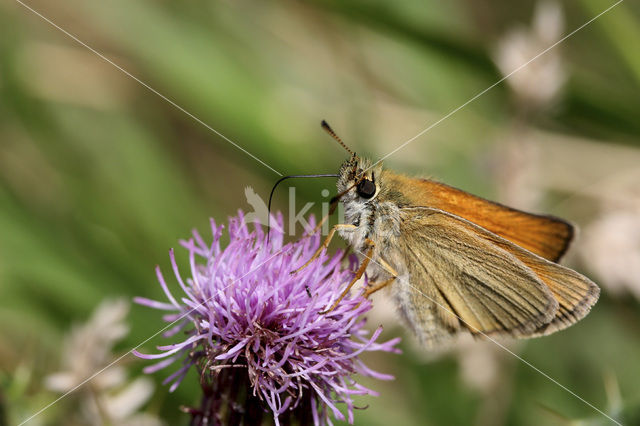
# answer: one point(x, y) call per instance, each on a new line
point(359, 181)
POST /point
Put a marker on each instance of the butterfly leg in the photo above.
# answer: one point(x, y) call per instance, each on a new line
point(387, 267)
point(359, 274)
point(373, 287)
point(378, 286)
point(325, 244)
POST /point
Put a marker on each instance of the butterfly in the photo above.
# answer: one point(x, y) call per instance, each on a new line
point(456, 263)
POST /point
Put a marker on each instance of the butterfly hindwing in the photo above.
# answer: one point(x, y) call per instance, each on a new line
point(469, 281)
point(489, 284)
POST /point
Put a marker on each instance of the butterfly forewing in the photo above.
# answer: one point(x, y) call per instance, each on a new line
point(546, 236)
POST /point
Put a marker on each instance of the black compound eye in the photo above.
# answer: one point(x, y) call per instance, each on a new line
point(366, 188)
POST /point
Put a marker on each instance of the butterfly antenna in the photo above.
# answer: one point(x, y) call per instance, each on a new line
point(329, 130)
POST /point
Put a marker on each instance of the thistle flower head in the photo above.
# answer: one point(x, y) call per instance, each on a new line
point(254, 332)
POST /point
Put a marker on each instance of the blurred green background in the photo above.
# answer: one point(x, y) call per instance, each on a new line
point(99, 176)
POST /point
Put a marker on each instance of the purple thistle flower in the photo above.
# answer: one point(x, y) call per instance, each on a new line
point(254, 332)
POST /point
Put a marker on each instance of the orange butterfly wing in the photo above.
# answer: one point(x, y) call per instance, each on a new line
point(546, 236)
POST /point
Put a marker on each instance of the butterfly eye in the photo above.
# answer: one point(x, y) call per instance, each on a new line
point(366, 188)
